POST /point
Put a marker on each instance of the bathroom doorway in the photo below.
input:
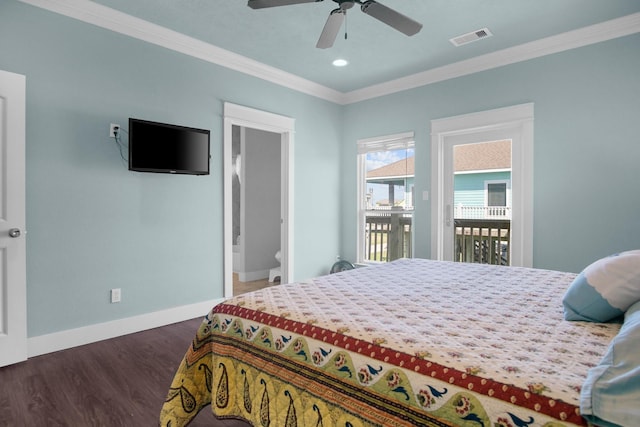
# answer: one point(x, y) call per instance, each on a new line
point(257, 197)
point(256, 183)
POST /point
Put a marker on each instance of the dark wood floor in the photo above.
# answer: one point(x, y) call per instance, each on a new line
point(117, 382)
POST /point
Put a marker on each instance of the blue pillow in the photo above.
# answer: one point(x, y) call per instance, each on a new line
point(610, 395)
point(605, 289)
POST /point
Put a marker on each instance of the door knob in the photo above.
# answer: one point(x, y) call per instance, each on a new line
point(14, 232)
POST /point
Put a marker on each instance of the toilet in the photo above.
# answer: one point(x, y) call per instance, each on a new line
point(275, 272)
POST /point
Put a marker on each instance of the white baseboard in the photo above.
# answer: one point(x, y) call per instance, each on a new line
point(62, 340)
point(250, 276)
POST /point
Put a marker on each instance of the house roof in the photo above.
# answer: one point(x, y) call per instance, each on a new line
point(482, 156)
point(401, 168)
point(467, 157)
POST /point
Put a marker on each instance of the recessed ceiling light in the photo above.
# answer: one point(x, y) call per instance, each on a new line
point(340, 62)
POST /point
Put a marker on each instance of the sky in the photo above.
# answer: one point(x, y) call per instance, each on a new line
point(377, 159)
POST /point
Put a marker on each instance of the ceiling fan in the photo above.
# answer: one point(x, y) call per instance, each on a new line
point(394, 19)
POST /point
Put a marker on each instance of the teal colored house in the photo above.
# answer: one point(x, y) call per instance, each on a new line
point(482, 181)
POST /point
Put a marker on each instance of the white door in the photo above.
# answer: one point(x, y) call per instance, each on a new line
point(13, 300)
point(509, 123)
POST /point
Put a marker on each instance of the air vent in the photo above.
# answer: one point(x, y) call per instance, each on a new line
point(471, 37)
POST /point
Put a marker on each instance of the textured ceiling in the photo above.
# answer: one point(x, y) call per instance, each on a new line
point(285, 37)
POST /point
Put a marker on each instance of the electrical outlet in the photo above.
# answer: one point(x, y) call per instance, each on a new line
point(113, 128)
point(116, 295)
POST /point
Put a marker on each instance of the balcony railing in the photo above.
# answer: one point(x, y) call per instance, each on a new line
point(478, 240)
point(482, 212)
point(484, 241)
point(388, 235)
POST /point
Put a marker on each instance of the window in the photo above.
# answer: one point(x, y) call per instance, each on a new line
point(385, 197)
point(497, 194)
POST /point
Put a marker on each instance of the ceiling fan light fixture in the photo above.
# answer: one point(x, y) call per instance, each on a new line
point(340, 62)
point(336, 18)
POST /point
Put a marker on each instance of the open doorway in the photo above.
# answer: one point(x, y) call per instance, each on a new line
point(256, 184)
point(264, 137)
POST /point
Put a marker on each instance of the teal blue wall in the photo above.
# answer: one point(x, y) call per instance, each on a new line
point(586, 149)
point(92, 224)
point(469, 188)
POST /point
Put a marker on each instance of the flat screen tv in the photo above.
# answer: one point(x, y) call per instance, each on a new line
point(166, 148)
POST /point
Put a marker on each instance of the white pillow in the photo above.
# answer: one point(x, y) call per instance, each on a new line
point(605, 289)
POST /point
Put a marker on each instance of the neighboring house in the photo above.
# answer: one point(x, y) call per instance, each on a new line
point(482, 179)
point(396, 174)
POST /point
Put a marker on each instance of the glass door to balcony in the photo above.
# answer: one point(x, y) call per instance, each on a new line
point(482, 187)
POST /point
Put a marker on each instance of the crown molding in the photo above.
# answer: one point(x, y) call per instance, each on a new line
point(110, 19)
point(585, 36)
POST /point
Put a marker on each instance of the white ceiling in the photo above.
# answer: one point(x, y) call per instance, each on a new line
point(285, 37)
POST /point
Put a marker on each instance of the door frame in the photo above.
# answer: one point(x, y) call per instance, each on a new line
point(515, 123)
point(257, 119)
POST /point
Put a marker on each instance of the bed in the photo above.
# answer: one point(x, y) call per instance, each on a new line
point(408, 343)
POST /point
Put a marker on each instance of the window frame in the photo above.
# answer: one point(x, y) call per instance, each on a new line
point(404, 140)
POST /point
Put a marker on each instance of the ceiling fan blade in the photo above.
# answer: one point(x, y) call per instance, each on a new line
point(394, 19)
point(331, 28)
point(261, 4)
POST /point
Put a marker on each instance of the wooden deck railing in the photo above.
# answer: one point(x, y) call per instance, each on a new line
point(486, 241)
point(483, 241)
point(387, 235)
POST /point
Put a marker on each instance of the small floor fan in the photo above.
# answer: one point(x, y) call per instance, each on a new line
point(341, 265)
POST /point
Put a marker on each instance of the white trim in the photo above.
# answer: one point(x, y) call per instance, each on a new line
point(518, 121)
point(482, 171)
point(394, 139)
point(592, 34)
point(472, 122)
point(285, 126)
point(105, 17)
point(119, 22)
point(63, 340)
point(250, 276)
point(258, 119)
